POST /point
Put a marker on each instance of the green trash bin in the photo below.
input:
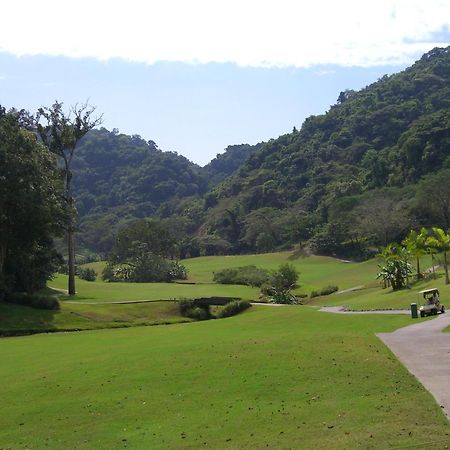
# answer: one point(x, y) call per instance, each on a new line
point(414, 311)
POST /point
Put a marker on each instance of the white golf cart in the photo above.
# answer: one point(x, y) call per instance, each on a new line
point(432, 304)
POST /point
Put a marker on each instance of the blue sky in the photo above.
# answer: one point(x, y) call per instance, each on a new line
point(198, 76)
point(194, 109)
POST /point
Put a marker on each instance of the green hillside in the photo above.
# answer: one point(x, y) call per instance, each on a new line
point(348, 178)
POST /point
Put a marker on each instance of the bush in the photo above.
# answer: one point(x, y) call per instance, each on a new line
point(285, 277)
point(245, 275)
point(87, 274)
point(38, 301)
point(233, 308)
point(177, 271)
point(189, 308)
point(149, 269)
point(327, 290)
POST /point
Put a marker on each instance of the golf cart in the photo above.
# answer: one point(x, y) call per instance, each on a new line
point(432, 304)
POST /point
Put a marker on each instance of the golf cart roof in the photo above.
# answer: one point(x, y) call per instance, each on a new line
point(429, 291)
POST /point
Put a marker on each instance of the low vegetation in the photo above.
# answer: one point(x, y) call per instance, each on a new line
point(38, 301)
point(233, 308)
point(327, 290)
point(144, 252)
point(17, 319)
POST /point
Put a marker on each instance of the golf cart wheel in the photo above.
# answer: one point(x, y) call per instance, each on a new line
point(422, 314)
point(442, 309)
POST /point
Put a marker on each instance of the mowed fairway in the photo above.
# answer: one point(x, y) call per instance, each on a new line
point(315, 273)
point(100, 291)
point(279, 378)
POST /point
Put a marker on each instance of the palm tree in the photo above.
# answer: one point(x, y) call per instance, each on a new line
point(440, 240)
point(416, 245)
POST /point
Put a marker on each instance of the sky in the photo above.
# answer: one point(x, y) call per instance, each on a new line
point(196, 76)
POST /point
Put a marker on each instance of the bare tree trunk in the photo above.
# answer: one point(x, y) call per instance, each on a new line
point(419, 275)
point(71, 259)
point(3, 250)
point(70, 233)
point(447, 281)
point(2, 256)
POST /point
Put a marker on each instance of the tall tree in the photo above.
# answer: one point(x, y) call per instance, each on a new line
point(61, 133)
point(440, 240)
point(416, 245)
point(434, 196)
point(30, 208)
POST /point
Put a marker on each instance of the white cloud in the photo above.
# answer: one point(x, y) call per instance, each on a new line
point(247, 32)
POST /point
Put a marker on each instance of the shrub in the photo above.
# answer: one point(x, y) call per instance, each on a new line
point(233, 308)
point(177, 271)
point(285, 277)
point(38, 301)
point(86, 274)
point(189, 308)
point(327, 290)
point(246, 275)
point(150, 268)
point(284, 297)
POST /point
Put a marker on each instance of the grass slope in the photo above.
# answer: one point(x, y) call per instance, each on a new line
point(315, 273)
point(99, 291)
point(16, 319)
point(279, 378)
point(377, 298)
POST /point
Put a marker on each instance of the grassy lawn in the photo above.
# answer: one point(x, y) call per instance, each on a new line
point(276, 378)
point(99, 291)
point(21, 319)
point(315, 271)
point(377, 298)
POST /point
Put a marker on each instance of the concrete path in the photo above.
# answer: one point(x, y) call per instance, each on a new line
point(343, 310)
point(425, 351)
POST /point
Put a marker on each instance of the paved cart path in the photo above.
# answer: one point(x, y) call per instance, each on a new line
point(343, 310)
point(425, 351)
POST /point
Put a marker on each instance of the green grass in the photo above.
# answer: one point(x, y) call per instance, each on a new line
point(99, 291)
point(377, 298)
point(16, 319)
point(315, 271)
point(274, 378)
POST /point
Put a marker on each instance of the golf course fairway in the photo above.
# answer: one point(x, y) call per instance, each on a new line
point(279, 378)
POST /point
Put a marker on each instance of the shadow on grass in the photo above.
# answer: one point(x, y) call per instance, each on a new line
point(18, 320)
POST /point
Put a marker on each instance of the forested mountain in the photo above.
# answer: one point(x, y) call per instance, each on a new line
point(113, 170)
point(225, 164)
point(320, 184)
point(119, 177)
point(349, 180)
